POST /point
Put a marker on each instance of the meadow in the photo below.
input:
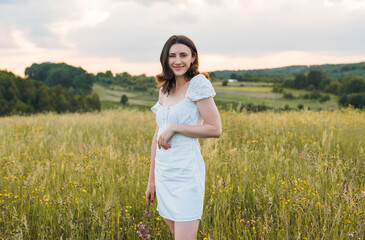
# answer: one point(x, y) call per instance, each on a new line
point(288, 175)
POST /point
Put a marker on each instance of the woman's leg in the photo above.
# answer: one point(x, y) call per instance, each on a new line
point(186, 230)
point(171, 225)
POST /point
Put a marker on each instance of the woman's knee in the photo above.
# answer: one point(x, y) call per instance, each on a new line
point(171, 225)
point(186, 230)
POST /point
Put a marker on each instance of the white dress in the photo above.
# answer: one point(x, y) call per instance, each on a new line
point(180, 170)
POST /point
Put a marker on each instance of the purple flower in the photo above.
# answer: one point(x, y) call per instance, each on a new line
point(143, 230)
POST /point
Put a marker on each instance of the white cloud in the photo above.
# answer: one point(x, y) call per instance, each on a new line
point(129, 34)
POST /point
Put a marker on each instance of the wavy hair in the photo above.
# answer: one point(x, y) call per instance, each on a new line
point(166, 79)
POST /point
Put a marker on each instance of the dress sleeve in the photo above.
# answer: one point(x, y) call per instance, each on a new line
point(200, 88)
point(155, 108)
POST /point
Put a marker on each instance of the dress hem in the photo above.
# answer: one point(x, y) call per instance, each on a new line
point(184, 220)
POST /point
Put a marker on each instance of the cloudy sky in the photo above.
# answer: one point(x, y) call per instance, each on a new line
point(128, 35)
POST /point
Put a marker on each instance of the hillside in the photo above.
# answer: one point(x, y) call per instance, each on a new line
point(332, 70)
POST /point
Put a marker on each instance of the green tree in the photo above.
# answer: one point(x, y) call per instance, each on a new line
point(94, 102)
point(124, 99)
point(76, 79)
point(352, 84)
point(234, 76)
point(59, 77)
point(44, 102)
point(21, 108)
point(83, 84)
point(333, 87)
point(300, 81)
point(315, 77)
point(19, 96)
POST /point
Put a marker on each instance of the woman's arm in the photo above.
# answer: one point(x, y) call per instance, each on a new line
point(212, 124)
point(151, 189)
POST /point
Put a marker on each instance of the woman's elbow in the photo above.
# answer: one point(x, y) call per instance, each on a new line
point(218, 132)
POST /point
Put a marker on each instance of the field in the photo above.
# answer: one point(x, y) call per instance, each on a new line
point(291, 175)
point(250, 93)
point(113, 94)
point(259, 94)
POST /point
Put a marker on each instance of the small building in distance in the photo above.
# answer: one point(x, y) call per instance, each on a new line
point(232, 80)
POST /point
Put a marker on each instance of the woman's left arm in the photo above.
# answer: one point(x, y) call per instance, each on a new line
point(212, 124)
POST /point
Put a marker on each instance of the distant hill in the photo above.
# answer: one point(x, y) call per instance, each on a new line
point(332, 70)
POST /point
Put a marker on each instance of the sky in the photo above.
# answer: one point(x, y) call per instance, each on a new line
point(128, 35)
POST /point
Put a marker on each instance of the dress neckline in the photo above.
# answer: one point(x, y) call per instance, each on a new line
point(186, 94)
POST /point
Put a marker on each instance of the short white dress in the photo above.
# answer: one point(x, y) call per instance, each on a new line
point(180, 170)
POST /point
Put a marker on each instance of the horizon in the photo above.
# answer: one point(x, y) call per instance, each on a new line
point(251, 69)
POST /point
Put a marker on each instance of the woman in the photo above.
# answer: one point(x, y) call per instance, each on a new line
point(177, 172)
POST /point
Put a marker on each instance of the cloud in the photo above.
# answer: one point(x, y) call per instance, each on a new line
point(132, 32)
point(12, 2)
point(243, 27)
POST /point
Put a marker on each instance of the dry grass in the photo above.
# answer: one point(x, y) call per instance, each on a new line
point(295, 175)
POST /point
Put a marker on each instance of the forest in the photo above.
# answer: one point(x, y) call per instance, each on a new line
point(350, 89)
point(47, 87)
point(332, 70)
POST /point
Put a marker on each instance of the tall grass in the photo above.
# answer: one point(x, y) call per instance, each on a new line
point(292, 175)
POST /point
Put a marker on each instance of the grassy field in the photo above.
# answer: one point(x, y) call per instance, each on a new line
point(252, 93)
point(114, 94)
point(245, 89)
point(277, 103)
point(291, 175)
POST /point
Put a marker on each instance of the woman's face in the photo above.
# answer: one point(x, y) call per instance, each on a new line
point(180, 58)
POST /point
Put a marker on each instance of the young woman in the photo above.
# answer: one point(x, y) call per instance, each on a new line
point(177, 172)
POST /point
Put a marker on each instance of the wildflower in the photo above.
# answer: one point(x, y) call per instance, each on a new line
point(143, 228)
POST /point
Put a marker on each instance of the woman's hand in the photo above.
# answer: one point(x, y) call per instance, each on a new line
point(165, 137)
point(151, 191)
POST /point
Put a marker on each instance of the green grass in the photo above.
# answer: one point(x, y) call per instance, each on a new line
point(245, 89)
point(277, 103)
point(111, 94)
point(294, 175)
point(296, 92)
point(250, 94)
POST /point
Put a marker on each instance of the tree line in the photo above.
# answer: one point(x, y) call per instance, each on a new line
point(126, 80)
point(77, 80)
point(332, 70)
point(350, 89)
point(25, 96)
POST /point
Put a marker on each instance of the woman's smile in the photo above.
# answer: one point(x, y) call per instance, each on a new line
point(180, 58)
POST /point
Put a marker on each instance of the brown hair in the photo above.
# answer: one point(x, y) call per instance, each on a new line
point(166, 79)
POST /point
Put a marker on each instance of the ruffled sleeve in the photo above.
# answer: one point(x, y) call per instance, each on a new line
point(200, 88)
point(155, 108)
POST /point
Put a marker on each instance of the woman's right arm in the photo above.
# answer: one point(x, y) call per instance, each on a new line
point(151, 189)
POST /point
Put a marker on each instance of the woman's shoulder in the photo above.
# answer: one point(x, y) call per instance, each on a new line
point(198, 77)
point(200, 88)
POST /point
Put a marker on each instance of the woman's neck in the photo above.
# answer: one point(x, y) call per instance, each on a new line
point(180, 81)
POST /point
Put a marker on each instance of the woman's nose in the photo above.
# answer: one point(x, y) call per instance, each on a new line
point(177, 60)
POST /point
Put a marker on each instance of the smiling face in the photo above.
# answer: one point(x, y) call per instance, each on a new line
point(180, 58)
